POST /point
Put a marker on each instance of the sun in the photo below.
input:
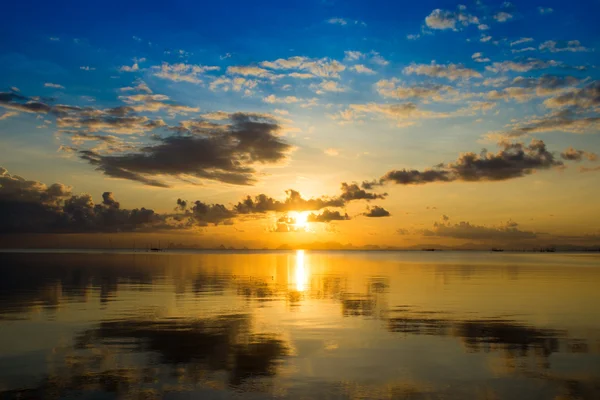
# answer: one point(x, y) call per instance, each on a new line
point(301, 220)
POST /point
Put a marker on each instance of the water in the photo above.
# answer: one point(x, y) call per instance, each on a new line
point(312, 325)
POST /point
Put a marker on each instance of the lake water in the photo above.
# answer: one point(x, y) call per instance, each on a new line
point(308, 325)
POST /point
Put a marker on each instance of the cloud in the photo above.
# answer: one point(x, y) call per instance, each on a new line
point(126, 68)
point(353, 55)
point(224, 153)
point(377, 212)
point(485, 38)
point(561, 120)
point(514, 160)
point(327, 86)
point(295, 202)
point(523, 66)
point(479, 57)
point(502, 16)
point(582, 99)
point(202, 214)
point(140, 86)
point(182, 72)
point(330, 152)
point(466, 230)
point(249, 71)
point(555, 47)
point(572, 154)
point(236, 84)
point(449, 71)
point(524, 89)
point(521, 41)
point(344, 22)
point(389, 88)
point(327, 216)
point(155, 103)
point(53, 85)
point(16, 102)
point(324, 67)
point(272, 99)
point(545, 10)
point(87, 68)
point(443, 19)
point(352, 191)
point(31, 206)
point(8, 114)
point(362, 69)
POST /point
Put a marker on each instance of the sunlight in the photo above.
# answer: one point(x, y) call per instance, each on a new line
point(301, 275)
point(300, 220)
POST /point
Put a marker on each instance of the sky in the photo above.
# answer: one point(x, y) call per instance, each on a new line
point(271, 123)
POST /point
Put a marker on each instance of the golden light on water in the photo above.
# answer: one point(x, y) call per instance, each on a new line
point(301, 272)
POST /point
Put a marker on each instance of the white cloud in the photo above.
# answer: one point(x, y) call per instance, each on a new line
point(483, 27)
point(182, 72)
point(126, 68)
point(53, 85)
point(485, 38)
point(361, 69)
point(327, 86)
point(353, 55)
point(87, 68)
point(54, 39)
point(344, 22)
point(479, 57)
point(449, 71)
point(528, 65)
point(521, 41)
point(272, 99)
point(545, 10)
point(502, 16)
point(414, 36)
point(443, 19)
point(324, 67)
point(555, 47)
point(250, 71)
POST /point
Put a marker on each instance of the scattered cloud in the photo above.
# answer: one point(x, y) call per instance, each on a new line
point(443, 19)
point(448, 71)
point(555, 47)
point(327, 216)
point(344, 22)
point(521, 41)
point(514, 160)
point(545, 10)
point(502, 16)
point(377, 212)
point(53, 85)
point(362, 69)
point(182, 72)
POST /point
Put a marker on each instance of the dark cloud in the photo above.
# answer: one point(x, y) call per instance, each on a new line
point(584, 98)
point(31, 206)
point(227, 154)
point(17, 102)
point(572, 154)
point(466, 230)
point(327, 216)
point(376, 212)
point(512, 161)
point(354, 192)
point(202, 214)
point(414, 177)
point(295, 202)
point(566, 120)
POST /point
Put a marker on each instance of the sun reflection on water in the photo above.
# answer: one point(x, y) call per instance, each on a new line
point(301, 272)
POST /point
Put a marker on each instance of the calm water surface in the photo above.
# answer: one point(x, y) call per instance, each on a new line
point(312, 325)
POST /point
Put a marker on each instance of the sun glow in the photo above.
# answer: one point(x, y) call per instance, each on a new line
point(301, 273)
point(300, 219)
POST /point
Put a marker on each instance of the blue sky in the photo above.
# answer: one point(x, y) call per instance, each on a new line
point(356, 89)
